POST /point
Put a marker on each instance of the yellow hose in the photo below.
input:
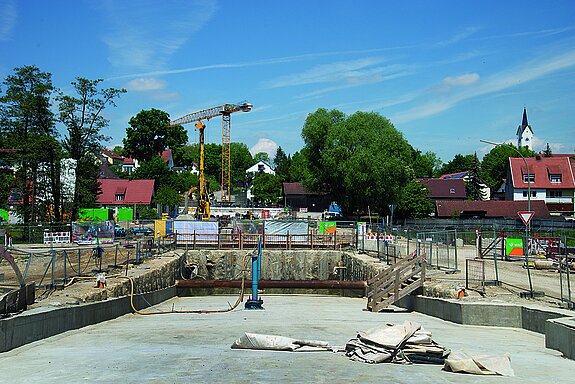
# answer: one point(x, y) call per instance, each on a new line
point(199, 311)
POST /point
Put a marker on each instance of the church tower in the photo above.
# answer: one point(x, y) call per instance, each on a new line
point(524, 133)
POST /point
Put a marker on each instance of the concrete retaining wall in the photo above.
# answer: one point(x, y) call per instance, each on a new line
point(106, 304)
point(558, 326)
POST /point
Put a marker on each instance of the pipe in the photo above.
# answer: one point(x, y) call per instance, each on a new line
point(305, 284)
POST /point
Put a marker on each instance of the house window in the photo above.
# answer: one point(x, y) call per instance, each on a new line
point(452, 190)
point(555, 193)
point(555, 178)
point(119, 197)
point(533, 193)
point(528, 177)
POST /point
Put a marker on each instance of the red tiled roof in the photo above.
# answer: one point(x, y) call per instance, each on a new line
point(135, 191)
point(445, 188)
point(542, 168)
point(112, 154)
point(490, 208)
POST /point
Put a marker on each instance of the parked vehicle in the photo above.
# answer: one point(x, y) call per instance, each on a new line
point(142, 231)
point(119, 231)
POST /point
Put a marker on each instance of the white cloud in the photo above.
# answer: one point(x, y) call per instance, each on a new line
point(461, 81)
point(145, 36)
point(457, 38)
point(521, 74)
point(265, 145)
point(361, 70)
point(8, 18)
point(145, 84)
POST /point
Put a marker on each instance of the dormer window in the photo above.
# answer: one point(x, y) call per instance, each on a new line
point(555, 178)
point(528, 177)
point(119, 197)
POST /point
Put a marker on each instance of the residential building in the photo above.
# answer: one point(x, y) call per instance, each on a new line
point(261, 166)
point(485, 190)
point(549, 179)
point(445, 189)
point(120, 192)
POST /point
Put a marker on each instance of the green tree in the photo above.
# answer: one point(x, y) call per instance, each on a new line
point(459, 163)
point(28, 129)
point(496, 162)
point(82, 115)
point(154, 169)
point(414, 201)
point(426, 164)
point(361, 160)
point(266, 189)
point(241, 159)
point(299, 169)
point(262, 156)
point(150, 133)
point(167, 196)
point(474, 183)
point(282, 164)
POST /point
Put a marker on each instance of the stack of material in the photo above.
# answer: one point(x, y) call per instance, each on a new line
point(405, 343)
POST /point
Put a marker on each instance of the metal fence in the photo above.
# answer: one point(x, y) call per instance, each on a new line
point(51, 267)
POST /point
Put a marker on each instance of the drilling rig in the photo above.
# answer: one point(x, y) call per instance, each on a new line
point(203, 209)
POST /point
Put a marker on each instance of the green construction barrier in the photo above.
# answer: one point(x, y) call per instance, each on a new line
point(4, 214)
point(125, 214)
point(93, 214)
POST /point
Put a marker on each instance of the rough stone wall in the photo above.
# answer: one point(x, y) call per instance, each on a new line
point(285, 264)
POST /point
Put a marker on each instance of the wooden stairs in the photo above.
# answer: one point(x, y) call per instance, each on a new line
point(395, 282)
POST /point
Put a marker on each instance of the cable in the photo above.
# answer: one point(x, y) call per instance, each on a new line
point(199, 311)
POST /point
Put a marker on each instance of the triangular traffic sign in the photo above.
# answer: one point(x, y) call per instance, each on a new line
point(526, 216)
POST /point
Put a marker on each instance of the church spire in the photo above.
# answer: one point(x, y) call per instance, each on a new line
point(524, 123)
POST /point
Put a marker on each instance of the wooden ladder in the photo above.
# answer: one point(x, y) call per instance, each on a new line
point(395, 282)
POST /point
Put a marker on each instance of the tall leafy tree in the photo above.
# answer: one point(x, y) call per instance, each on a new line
point(495, 163)
point(262, 156)
point(82, 115)
point(282, 164)
point(414, 201)
point(459, 163)
point(29, 133)
point(266, 189)
point(150, 133)
point(361, 160)
point(426, 164)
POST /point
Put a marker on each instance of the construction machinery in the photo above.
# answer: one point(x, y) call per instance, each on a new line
point(203, 208)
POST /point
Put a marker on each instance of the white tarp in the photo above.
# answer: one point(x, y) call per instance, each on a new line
point(201, 231)
point(278, 343)
point(478, 364)
point(283, 228)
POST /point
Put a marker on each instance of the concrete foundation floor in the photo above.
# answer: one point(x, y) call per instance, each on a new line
point(187, 348)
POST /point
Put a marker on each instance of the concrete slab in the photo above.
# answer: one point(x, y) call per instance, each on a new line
point(184, 348)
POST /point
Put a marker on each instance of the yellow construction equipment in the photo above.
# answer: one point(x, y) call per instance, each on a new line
point(203, 209)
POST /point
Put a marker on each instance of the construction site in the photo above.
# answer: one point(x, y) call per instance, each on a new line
point(194, 306)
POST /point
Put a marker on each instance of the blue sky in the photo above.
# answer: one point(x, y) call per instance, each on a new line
point(446, 73)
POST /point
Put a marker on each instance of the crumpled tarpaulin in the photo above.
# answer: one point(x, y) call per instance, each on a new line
point(279, 343)
point(479, 365)
point(405, 343)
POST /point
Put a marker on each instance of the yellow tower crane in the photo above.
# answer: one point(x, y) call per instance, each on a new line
point(203, 209)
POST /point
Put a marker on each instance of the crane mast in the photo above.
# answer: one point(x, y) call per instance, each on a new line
point(225, 110)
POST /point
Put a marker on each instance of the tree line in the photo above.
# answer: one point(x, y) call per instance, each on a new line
point(360, 161)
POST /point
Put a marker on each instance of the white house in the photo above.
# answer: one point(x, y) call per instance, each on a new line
point(261, 167)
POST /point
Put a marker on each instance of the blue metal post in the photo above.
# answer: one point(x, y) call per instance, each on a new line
point(254, 302)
